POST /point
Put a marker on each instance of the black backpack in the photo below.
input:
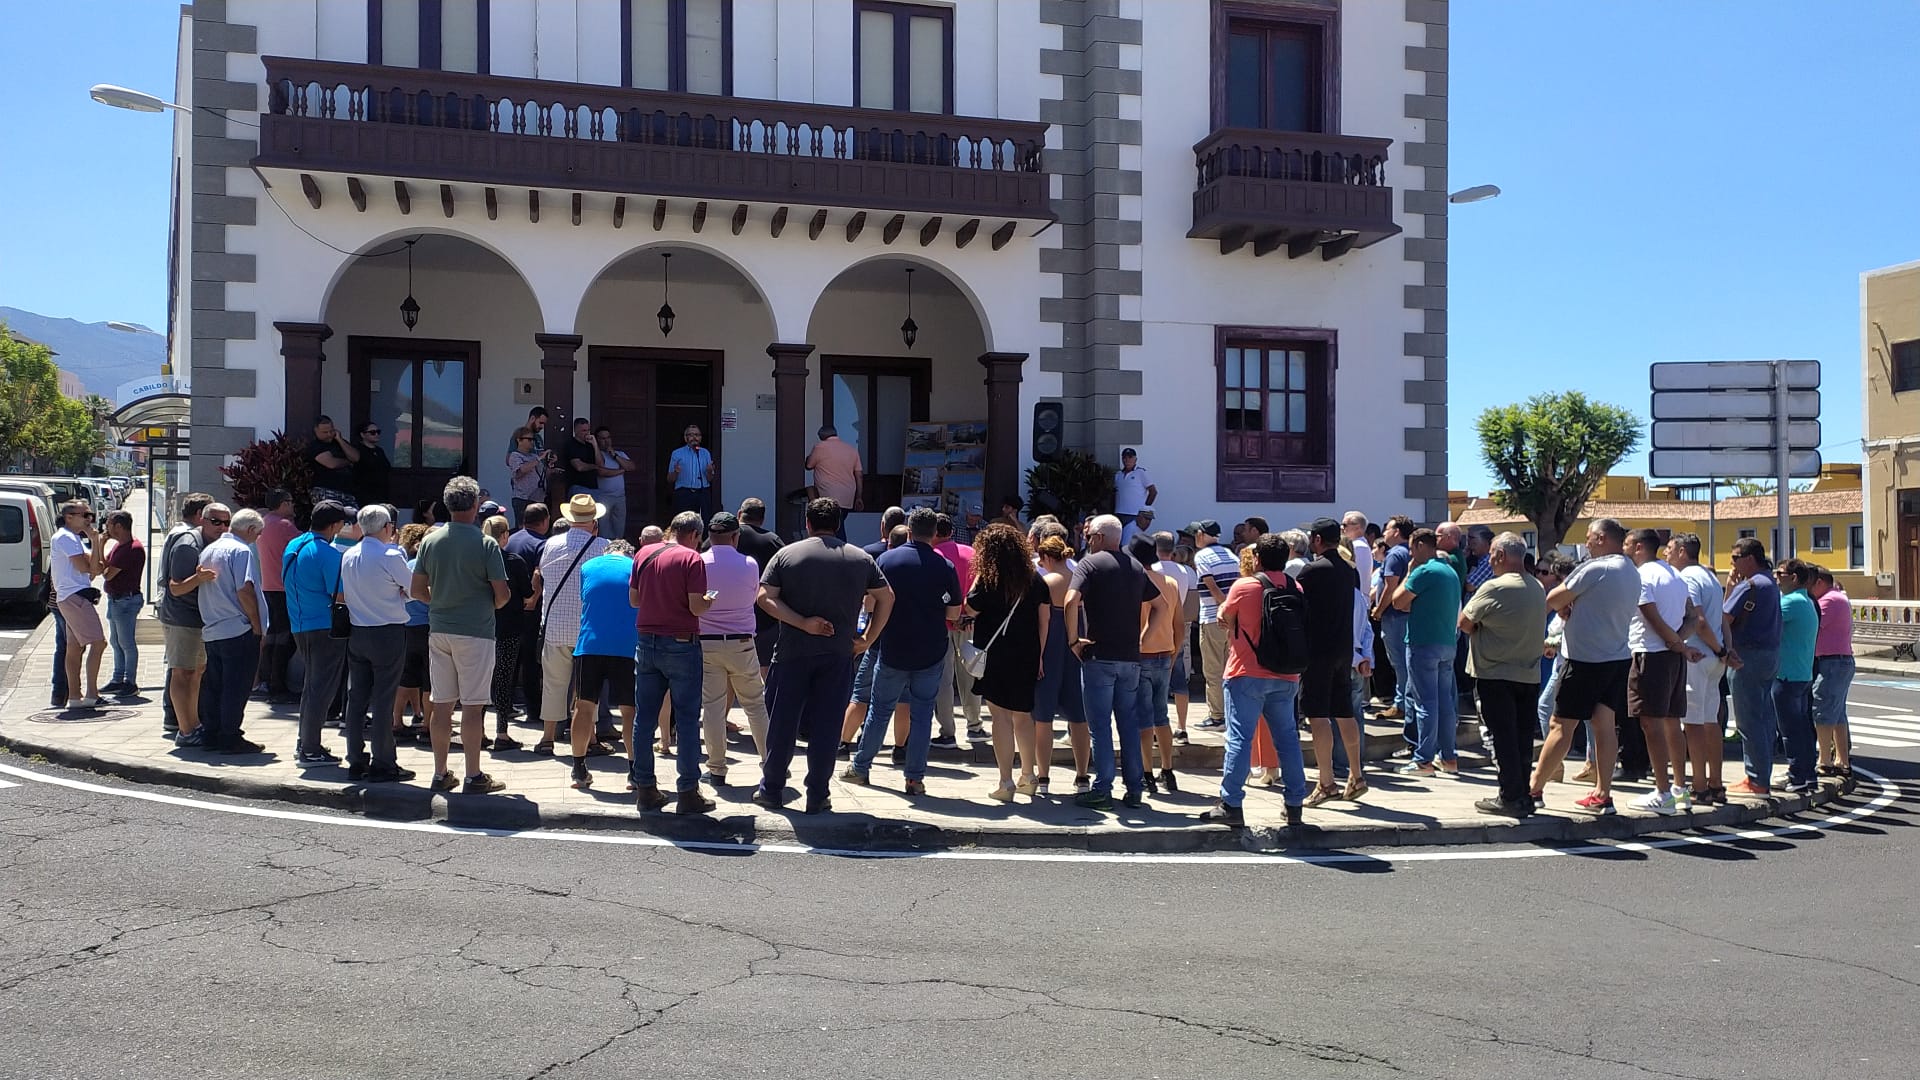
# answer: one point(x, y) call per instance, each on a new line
point(1282, 648)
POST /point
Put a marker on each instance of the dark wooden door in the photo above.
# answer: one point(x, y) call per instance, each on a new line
point(423, 393)
point(1907, 539)
point(648, 397)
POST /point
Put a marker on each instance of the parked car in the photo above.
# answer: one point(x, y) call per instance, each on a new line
point(121, 486)
point(26, 550)
point(48, 501)
point(67, 488)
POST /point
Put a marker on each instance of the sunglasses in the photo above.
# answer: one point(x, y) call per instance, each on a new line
point(371, 431)
point(219, 523)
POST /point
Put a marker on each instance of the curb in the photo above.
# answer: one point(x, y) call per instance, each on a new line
point(864, 832)
point(1874, 666)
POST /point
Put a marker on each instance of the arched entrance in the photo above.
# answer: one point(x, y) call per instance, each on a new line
point(649, 384)
point(872, 385)
point(447, 392)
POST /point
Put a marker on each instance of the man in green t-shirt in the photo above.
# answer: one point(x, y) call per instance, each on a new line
point(1503, 622)
point(462, 579)
point(1430, 596)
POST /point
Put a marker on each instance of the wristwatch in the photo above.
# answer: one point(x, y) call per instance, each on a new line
point(1720, 654)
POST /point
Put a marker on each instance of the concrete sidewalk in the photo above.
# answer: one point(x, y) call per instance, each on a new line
point(125, 739)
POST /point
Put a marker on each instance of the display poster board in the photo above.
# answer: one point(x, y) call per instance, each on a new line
point(945, 465)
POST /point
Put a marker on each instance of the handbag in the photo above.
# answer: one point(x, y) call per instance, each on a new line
point(974, 657)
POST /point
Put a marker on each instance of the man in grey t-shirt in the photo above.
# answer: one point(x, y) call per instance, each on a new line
point(230, 614)
point(1599, 600)
point(815, 587)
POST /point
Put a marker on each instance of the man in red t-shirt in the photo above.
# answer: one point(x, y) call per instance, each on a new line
point(1255, 694)
point(669, 587)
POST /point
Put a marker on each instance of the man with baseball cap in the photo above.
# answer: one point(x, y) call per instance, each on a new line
point(1218, 568)
point(1140, 524)
point(1133, 489)
point(556, 596)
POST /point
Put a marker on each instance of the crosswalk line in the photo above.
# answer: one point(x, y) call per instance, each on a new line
point(1864, 740)
point(8, 784)
point(1878, 708)
point(13, 633)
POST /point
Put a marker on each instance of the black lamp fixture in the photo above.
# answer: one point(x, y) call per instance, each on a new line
point(410, 308)
point(909, 330)
point(665, 314)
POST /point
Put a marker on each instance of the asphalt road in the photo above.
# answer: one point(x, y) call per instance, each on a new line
point(143, 938)
point(16, 626)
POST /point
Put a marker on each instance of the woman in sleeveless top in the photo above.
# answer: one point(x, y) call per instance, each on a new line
point(1009, 603)
point(1059, 691)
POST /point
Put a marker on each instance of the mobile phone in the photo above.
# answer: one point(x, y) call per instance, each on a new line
point(711, 594)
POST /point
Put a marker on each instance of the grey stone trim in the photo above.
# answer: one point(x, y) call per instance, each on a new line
point(1426, 158)
point(211, 212)
point(1094, 236)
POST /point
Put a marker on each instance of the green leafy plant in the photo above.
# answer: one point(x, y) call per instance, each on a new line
point(1073, 488)
point(1550, 453)
point(262, 465)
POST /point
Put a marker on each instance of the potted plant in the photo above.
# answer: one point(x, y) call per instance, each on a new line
point(265, 464)
point(1072, 488)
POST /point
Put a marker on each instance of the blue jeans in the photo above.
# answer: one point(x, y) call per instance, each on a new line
point(121, 613)
point(663, 668)
point(1832, 679)
point(863, 676)
point(1436, 703)
point(1252, 699)
point(1555, 670)
point(1110, 693)
point(1751, 688)
point(59, 657)
point(1393, 630)
point(1793, 708)
point(1156, 680)
point(890, 684)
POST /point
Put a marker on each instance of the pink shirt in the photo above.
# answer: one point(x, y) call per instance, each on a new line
point(1836, 625)
point(272, 548)
point(961, 556)
point(835, 464)
point(736, 578)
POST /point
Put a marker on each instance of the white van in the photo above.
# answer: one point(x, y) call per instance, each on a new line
point(49, 500)
point(25, 550)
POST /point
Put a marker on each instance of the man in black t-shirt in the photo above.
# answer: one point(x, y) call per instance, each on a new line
point(333, 459)
point(759, 543)
point(1326, 687)
point(581, 457)
point(1117, 596)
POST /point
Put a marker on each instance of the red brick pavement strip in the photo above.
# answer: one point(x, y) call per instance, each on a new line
point(125, 740)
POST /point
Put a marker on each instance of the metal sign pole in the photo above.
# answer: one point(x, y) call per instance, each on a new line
point(1782, 449)
point(1713, 507)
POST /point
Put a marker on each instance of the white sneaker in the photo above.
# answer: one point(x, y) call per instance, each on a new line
point(1682, 799)
point(1659, 802)
point(84, 703)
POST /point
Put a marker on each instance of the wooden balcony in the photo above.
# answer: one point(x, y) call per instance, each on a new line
point(403, 123)
point(1303, 192)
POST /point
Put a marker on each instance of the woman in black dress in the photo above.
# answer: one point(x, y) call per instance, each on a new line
point(1007, 593)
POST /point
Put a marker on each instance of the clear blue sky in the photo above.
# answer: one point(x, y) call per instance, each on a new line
point(1684, 181)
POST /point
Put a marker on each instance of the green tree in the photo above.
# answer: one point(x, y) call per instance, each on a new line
point(1765, 487)
point(39, 424)
point(1550, 453)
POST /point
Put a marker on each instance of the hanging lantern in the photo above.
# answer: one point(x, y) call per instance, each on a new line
point(410, 308)
point(665, 314)
point(909, 330)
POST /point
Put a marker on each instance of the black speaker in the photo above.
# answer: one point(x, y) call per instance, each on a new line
point(1049, 423)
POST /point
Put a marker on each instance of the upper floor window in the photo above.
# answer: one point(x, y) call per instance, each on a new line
point(1856, 546)
point(1823, 538)
point(1273, 67)
point(435, 35)
point(1276, 414)
point(902, 57)
point(685, 46)
point(1906, 366)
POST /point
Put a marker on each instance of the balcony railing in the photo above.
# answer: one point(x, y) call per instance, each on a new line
point(1303, 190)
point(338, 117)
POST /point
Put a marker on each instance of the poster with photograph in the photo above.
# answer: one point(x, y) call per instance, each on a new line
point(945, 465)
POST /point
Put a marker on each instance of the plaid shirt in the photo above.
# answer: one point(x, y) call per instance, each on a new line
point(1481, 573)
point(561, 609)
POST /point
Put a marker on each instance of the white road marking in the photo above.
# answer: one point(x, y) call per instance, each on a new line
point(1896, 725)
point(8, 784)
point(13, 633)
point(1868, 740)
point(1889, 792)
point(6, 656)
point(1879, 708)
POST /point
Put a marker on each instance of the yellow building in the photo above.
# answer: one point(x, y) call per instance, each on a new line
point(1826, 524)
point(1890, 382)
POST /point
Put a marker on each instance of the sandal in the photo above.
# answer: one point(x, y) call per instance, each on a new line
point(544, 748)
point(503, 742)
point(1026, 785)
point(1320, 795)
point(1002, 794)
point(1356, 787)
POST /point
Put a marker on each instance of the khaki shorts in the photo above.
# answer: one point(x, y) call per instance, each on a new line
point(186, 649)
point(83, 621)
point(460, 668)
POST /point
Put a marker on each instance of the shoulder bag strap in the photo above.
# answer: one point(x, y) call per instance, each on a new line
point(555, 596)
point(1004, 623)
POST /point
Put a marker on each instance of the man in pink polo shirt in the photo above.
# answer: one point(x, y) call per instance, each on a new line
point(276, 649)
point(727, 656)
point(961, 556)
point(836, 472)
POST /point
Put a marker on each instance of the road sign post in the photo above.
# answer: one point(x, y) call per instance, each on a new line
point(1741, 418)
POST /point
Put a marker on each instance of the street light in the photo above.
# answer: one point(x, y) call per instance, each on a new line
point(122, 98)
point(1478, 193)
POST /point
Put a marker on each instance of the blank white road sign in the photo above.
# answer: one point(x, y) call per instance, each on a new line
point(1732, 434)
point(1729, 464)
point(1732, 405)
point(1732, 375)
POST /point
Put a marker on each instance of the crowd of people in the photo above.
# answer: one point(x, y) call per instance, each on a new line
point(1631, 658)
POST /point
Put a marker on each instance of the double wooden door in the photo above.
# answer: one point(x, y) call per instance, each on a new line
point(648, 397)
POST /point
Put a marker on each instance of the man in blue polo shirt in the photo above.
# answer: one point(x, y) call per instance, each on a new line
point(310, 571)
point(912, 649)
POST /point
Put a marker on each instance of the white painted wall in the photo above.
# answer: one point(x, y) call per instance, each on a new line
point(1188, 287)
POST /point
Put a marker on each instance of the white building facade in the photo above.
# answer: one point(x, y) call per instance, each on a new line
point(1210, 229)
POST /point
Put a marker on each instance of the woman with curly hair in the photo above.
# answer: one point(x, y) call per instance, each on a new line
point(1011, 606)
